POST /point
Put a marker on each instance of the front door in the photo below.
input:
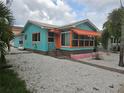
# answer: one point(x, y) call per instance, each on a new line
point(51, 41)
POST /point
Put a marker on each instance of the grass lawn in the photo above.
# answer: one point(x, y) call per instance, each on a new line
point(10, 83)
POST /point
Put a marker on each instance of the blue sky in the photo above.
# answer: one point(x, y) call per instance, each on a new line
point(61, 12)
point(78, 8)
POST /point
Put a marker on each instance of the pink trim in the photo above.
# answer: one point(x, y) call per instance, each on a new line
point(80, 56)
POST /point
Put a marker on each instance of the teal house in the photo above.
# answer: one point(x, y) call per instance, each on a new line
point(18, 41)
point(77, 37)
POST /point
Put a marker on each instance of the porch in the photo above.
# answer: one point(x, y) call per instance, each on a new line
point(73, 41)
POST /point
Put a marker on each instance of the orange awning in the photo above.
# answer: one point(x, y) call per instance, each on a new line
point(85, 32)
point(54, 31)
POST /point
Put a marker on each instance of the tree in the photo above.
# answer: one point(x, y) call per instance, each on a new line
point(96, 50)
point(6, 21)
point(114, 27)
point(115, 18)
point(106, 34)
point(121, 60)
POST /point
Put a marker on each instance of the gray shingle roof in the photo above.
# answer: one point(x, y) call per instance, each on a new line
point(49, 26)
point(43, 24)
point(79, 22)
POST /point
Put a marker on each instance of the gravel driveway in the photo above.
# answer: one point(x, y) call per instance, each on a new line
point(44, 74)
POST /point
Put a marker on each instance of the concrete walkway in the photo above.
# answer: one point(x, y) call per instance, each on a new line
point(111, 61)
point(100, 66)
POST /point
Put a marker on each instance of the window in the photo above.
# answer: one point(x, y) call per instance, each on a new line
point(75, 43)
point(65, 37)
point(75, 40)
point(20, 42)
point(51, 34)
point(82, 37)
point(81, 43)
point(51, 37)
point(36, 37)
point(91, 43)
point(87, 43)
point(80, 40)
point(75, 36)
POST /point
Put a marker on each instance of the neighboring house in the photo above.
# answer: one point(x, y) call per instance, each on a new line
point(17, 30)
point(18, 39)
point(77, 37)
point(114, 43)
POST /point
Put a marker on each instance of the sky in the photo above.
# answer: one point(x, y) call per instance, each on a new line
point(62, 12)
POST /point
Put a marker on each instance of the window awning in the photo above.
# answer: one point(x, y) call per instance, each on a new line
point(86, 32)
point(57, 31)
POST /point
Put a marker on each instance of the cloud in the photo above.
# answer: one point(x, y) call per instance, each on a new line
point(98, 5)
point(42, 10)
point(60, 12)
point(97, 10)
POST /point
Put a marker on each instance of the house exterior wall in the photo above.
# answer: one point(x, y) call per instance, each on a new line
point(85, 26)
point(58, 41)
point(51, 46)
point(16, 40)
point(36, 45)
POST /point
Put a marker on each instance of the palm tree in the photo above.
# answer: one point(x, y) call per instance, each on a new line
point(6, 21)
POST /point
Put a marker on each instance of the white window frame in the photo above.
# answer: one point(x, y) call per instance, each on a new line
point(34, 42)
point(65, 40)
point(84, 41)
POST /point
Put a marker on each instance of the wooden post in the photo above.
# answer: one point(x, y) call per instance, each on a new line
point(89, 42)
point(78, 41)
point(71, 39)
